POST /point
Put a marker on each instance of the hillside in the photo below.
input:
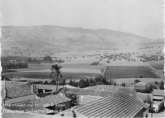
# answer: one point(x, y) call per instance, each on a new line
point(53, 40)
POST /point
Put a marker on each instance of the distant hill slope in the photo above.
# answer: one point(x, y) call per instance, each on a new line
point(52, 40)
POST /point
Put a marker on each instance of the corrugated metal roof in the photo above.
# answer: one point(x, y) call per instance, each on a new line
point(113, 106)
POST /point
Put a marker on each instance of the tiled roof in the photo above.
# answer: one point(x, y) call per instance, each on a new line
point(52, 100)
point(113, 106)
point(141, 84)
point(158, 92)
point(88, 92)
point(14, 89)
point(109, 88)
point(10, 84)
point(42, 86)
point(20, 99)
point(144, 96)
point(101, 90)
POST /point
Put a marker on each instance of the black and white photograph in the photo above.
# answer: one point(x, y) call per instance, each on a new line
point(82, 59)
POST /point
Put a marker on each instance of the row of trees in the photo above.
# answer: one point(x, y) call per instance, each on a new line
point(49, 59)
point(17, 65)
point(99, 80)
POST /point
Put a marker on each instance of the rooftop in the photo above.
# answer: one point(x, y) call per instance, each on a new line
point(158, 92)
point(10, 84)
point(49, 87)
point(20, 99)
point(116, 105)
point(101, 90)
point(52, 100)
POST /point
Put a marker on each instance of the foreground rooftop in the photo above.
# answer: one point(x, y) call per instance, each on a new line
point(116, 105)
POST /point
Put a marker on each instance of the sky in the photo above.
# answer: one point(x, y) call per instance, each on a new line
point(141, 17)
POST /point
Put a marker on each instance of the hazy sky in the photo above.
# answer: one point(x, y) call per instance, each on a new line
point(142, 17)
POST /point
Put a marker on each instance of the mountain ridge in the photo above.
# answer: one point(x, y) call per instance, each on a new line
point(51, 40)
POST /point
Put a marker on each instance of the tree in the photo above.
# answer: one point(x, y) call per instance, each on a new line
point(76, 84)
point(114, 83)
point(99, 78)
point(82, 83)
point(62, 82)
point(105, 81)
point(56, 74)
point(156, 82)
point(92, 82)
point(123, 84)
point(47, 59)
point(87, 82)
point(46, 82)
point(71, 82)
point(141, 76)
point(94, 63)
point(161, 85)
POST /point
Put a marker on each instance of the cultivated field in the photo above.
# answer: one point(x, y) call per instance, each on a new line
point(81, 71)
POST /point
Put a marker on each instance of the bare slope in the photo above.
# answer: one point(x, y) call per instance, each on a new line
point(51, 40)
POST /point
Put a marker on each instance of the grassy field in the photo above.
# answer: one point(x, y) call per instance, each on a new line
point(157, 65)
point(81, 71)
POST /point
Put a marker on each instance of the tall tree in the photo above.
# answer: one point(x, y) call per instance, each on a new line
point(56, 74)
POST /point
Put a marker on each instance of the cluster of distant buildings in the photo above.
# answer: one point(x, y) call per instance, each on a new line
point(93, 101)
